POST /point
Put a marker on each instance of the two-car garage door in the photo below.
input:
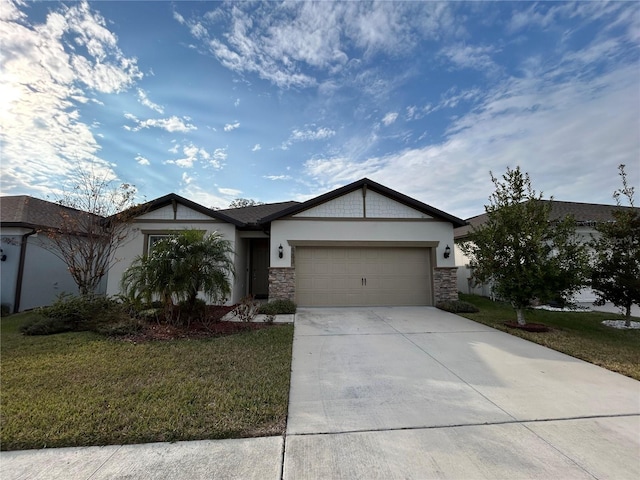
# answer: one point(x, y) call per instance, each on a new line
point(358, 276)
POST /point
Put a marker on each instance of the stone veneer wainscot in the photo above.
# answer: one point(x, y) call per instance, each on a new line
point(445, 284)
point(282, 283)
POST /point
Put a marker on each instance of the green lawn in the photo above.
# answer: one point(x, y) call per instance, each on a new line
point(579, 334)
point(76, 389)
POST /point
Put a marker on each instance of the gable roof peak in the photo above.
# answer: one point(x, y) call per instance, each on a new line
point(370, 184)
point(170, 198)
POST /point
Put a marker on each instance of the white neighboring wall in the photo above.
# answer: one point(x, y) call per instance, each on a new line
point(44, 276)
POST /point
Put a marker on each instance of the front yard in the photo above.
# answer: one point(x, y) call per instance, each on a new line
point(74, 389)
point(579, 334)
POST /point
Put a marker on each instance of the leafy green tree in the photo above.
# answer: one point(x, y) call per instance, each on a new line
point(616, 268)
point(521, 252)
point(179, 267)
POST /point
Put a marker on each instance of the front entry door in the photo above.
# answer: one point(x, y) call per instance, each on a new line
point(260, 268)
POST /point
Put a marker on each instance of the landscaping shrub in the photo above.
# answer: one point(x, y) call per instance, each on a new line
point(75, 313)
point(247, 309)
point(189, 311)
point(278, 307)
point(5, 311)
point(45, 326)
point(457, 306)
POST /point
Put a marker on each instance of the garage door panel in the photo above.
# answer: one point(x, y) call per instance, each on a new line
point(335, 276)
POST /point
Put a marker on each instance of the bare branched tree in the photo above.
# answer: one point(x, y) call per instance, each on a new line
point(93, 222)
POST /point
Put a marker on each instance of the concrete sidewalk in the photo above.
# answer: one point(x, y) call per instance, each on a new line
point(244, 458)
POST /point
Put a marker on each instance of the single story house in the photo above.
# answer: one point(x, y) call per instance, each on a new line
point(362, 244)
point(31, 275)
point(587, 216)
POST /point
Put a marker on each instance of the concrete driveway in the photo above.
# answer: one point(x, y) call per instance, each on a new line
point(403, 392)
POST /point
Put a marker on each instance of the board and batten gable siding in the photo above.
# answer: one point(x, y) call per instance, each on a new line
point(181, 213)
point(162, 221)
point(379, 206)
point(354, 205)
point(349, 205)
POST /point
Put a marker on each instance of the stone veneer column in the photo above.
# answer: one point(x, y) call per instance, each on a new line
point(445, 284)
point(282, 283)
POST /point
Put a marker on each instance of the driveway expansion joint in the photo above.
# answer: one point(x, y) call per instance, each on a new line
point(459, 425)
point(284, 448)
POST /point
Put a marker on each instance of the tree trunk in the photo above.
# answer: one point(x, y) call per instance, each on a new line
point(520, 316)
point(627, 319)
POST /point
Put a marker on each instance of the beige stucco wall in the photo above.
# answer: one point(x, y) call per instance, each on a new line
point(359, 230)
point(134, 244)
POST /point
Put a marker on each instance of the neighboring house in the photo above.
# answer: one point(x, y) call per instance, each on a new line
point(587, 216)
point(362, 244)
point(31, 275)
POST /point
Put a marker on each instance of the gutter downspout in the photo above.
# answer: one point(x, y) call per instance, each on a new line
point(23, 255)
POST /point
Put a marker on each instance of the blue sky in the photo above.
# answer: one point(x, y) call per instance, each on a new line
point(285, 101)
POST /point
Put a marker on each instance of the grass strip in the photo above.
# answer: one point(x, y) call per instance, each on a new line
point(579, 334)
point(77, 389)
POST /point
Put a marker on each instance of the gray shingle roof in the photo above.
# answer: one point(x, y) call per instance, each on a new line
point(584, 213)
point(30, 212)
point(251, 215)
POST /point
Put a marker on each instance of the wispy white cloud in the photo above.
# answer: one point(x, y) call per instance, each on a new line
point(190, 189)
point(186, 178)
point(44, 78)
point(217, 159)
point(546, 15)
point(278, 177)
point(231, 126)
point(142, 160)
point(230, 192)
point(293, 40)
point(192, 155)
point(308, 134)
point(171, 124)
point(389, 118)
point(469, 56)
point(256, 147)
point(144, 100)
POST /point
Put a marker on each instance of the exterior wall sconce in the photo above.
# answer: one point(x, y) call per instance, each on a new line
point(280, 251)
point(447, 252)
point(3, 256)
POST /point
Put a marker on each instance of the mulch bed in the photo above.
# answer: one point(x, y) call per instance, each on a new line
point(211, 326)
point(529, 327)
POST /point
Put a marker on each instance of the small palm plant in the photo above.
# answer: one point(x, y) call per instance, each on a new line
point(178, 268)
